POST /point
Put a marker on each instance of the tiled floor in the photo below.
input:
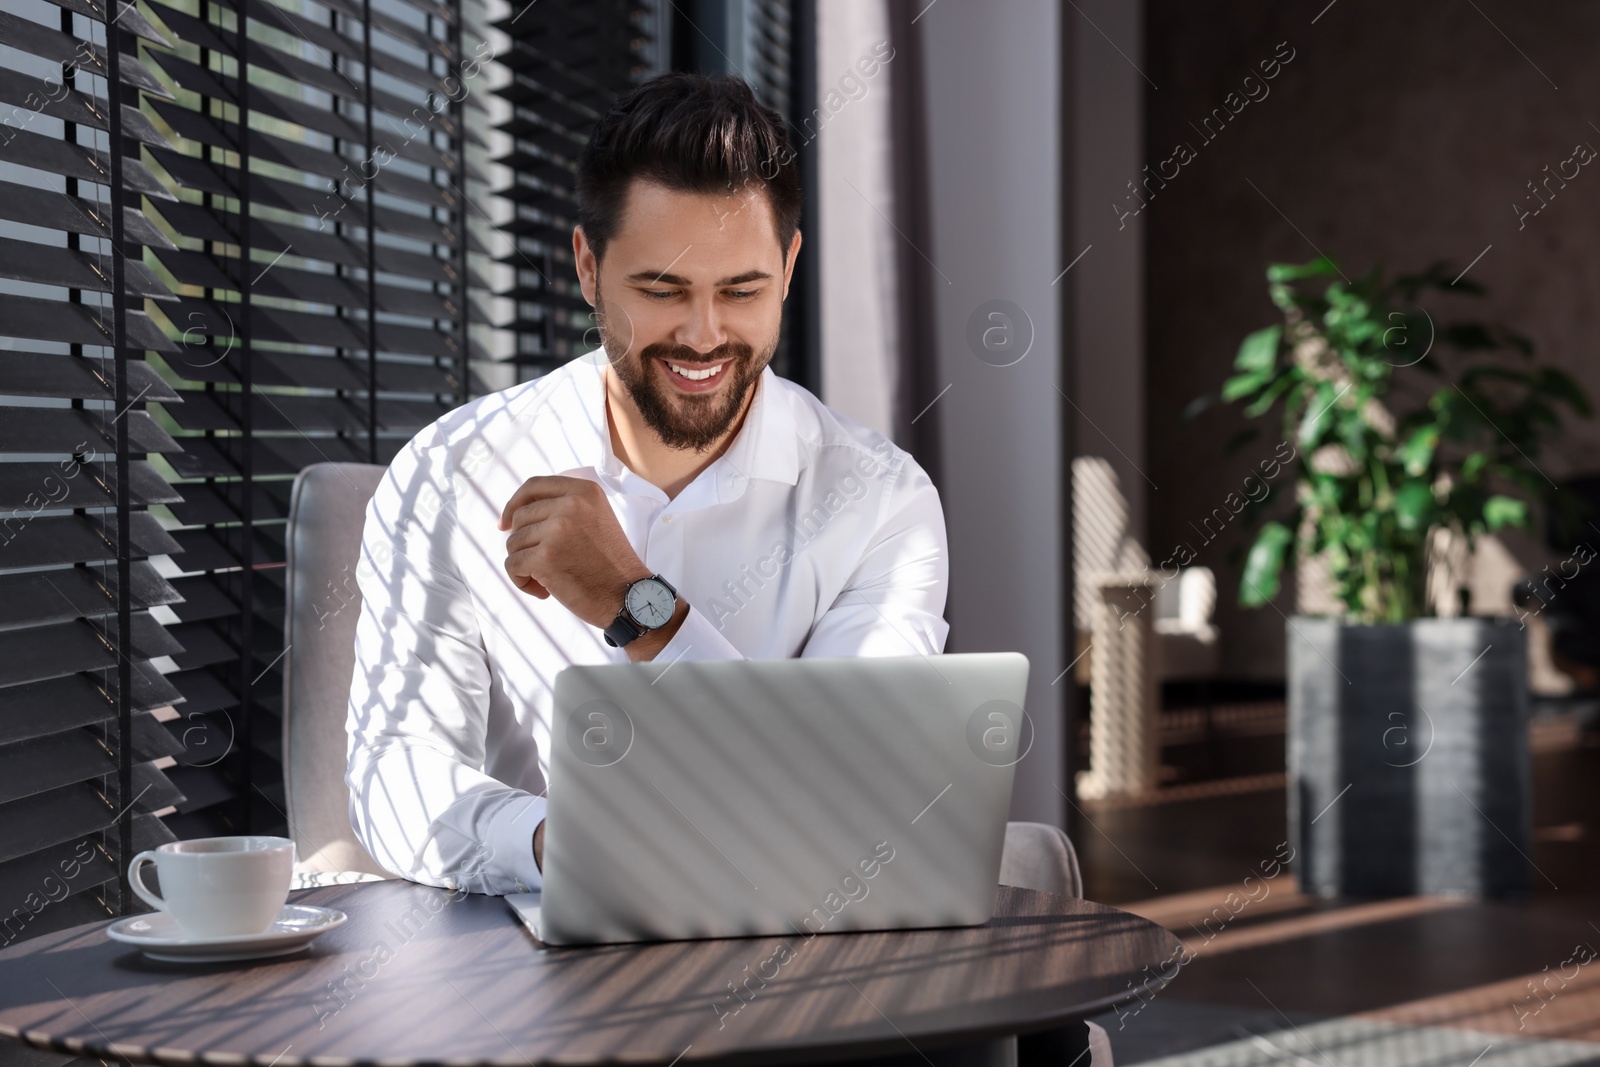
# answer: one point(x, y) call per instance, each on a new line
point(1298, 980)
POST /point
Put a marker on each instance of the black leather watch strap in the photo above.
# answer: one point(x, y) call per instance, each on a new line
point(622, 630)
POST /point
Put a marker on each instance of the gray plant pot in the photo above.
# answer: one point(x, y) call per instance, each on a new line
point(1408, 757)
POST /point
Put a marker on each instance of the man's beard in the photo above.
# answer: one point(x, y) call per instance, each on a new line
point(684, 421)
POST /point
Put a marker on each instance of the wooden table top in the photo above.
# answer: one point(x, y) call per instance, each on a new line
point(422, 975)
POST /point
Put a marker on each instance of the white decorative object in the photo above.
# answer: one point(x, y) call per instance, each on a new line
point(1124, 741)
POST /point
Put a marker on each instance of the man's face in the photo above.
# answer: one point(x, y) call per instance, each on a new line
point(689, 299)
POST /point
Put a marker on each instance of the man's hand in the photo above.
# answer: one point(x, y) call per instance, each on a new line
point(565, 542)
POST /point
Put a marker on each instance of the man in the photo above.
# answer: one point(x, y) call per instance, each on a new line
point(665, 498)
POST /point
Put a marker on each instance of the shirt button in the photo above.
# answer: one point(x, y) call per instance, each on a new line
point(668, 518)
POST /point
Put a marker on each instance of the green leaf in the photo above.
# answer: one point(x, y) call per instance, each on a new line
point(1414, 506)
point(1241, 385)
point(1263, 403)
point(1259, 351)
point(1315, 422)
point(1417, 453)
point(1460, 416)
point(1289, 272)
point(1259, 582)
point(1501, 511)
point(1354, 433)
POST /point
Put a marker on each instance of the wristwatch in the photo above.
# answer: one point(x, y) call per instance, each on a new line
point(647, 604)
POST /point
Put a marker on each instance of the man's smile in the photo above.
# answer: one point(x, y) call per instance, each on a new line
point(695, 377)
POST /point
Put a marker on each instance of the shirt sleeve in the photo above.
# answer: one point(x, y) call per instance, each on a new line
point(419, 799)
point(893, 602)
point(698, 639)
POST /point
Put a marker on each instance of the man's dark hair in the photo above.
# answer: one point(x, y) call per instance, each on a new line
point(690, 133)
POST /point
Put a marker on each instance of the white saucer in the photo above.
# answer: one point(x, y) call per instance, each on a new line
point(296, 926)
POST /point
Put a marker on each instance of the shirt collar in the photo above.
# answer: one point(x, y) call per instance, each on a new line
point(569, 425)
point(767, 445)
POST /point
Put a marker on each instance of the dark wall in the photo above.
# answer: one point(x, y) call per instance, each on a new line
point(1398, 134)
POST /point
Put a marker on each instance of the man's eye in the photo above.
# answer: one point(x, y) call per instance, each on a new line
point(743, 294)
point(660, 294)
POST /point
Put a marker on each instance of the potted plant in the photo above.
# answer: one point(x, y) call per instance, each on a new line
point(1407, 738)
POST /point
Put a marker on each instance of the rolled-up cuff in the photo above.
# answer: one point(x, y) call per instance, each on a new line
point(510, 865)
point(698, 640)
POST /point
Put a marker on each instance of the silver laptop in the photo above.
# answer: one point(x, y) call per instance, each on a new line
point(753, 798)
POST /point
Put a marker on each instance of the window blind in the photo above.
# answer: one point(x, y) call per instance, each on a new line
point(568, 59)
point(324, 311)
point(81, 692)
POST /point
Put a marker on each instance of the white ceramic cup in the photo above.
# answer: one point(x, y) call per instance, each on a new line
point(219, 886)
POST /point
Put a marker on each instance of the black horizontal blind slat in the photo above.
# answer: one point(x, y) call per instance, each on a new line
point(44, 819)
point(57, 211)
point(306, 243)
point(28, 489)
point(73, 377)
point(25, 35)
point(126, 17)
point(71, 269)
point(44, 763)
point(147, 638)
point(56, 100)
point(33, 599)
point(80, 538)
point(36, 319)
point(76, 431)
point(307, 286)
point(36, 915)
point(50, 875)
point(29, 148)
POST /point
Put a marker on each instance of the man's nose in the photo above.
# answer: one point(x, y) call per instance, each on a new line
point(702, 330)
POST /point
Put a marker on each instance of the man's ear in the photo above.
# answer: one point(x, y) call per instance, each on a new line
point(788, 264)
point(588, 265)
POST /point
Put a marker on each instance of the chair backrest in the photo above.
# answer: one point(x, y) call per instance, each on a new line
point(1040, 856)
point(327, 511)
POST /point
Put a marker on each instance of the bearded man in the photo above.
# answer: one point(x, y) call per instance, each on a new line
point(665, 497)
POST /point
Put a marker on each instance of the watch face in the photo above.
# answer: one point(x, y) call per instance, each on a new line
point(650, 603)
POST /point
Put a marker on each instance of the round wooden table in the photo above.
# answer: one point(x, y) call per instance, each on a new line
point(423, 975)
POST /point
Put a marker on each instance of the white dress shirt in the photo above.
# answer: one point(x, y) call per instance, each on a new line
point(810, 536)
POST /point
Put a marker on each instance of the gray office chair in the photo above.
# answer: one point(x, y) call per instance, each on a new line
point(327, 509)
point(1040, 856)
